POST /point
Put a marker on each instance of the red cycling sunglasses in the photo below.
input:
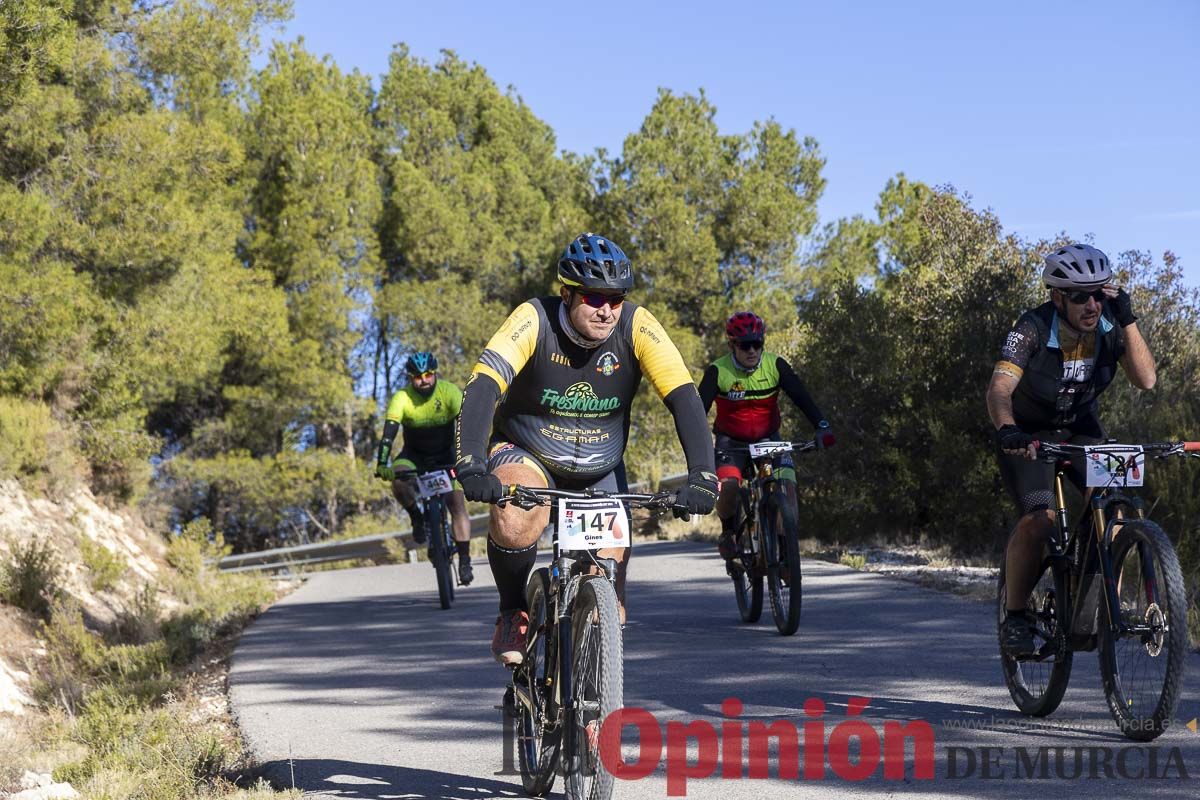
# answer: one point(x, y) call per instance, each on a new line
point(598, 300)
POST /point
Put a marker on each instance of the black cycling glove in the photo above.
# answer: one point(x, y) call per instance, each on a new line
point(698, 496)
point(477, 483)
point(1122, 306)
point(1010, 437)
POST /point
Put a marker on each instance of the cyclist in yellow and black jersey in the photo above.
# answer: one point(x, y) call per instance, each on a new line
point(425, 409)
point(548, 404)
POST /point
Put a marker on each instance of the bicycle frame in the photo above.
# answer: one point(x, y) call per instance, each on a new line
point(1104, 510)
point(755, 489)
point(567, 571)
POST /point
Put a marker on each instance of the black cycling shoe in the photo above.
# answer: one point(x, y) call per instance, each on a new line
point(420, 536)
point(1016, 634)
point(727, 546)
point(465, 573)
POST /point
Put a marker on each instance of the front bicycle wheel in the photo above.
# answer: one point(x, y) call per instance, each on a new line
point(597, 687)
point(439, 553)
point(1037, 684)
point(778, 520)
point(539, 729)
point(745, 574)
point(1142, 662)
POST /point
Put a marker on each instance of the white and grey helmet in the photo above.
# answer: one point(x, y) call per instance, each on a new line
point(1077, 266)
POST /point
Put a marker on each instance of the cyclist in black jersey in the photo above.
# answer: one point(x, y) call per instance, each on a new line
point(1053, 365)
point(548, 404)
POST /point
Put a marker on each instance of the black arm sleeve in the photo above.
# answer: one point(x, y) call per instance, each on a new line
point(474, 423)
point(793, 387)
point(691, 424)
point(708, 388)
point(390, 429)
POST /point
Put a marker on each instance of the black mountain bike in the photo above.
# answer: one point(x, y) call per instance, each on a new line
point(768, 539)
point(572, 676)
point(1112, 583)
point(435, 485)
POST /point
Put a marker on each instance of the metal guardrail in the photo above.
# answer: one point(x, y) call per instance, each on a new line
point(365, 547)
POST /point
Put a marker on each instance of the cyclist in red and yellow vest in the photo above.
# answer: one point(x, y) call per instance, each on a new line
point(746, 384)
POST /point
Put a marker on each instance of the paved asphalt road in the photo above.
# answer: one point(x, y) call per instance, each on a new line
point(357, 685)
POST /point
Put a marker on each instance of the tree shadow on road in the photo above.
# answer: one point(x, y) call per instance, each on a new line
point(324, 777)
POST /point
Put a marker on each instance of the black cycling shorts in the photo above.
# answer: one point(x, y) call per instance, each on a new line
point(1030, 484)
point(504, 452)
point(425, 462)
point(735, 464)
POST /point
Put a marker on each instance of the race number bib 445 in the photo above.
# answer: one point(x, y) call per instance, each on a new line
point(1115, 465)
point(592, 524)
point(434, 483)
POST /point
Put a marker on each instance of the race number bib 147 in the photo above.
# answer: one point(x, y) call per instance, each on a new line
point(434, 483)
point(592, 524)
point(1115, 465)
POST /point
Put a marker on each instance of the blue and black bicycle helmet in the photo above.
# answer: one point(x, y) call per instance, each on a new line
point(421, 362)
point(593, 262)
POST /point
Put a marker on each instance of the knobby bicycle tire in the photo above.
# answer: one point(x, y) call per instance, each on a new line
point(439, 553)
point(778, 521)
point(743, 571)
point(597, 687)
point(1037, 687)
point(538, 736)
point(1157, 657)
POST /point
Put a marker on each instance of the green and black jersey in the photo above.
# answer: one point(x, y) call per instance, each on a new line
point(427, 420)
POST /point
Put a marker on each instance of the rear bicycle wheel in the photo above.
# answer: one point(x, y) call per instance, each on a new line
point(597, 687)
point(439, 554)
point(744, 572)
point(1037, 684)
point(778, 519)
point(539, 728)
point(1142, 665)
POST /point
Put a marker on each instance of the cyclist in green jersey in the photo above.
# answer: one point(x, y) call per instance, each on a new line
point(426, 410)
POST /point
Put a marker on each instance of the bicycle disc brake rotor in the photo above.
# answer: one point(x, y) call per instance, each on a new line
point(1158, 629)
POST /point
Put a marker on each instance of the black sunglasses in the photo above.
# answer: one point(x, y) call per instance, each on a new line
point(751, 345)
point(1081, 297)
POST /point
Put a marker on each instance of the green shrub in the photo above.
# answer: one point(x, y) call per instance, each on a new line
point(853, 561)
point(30, 579)
point(105, 567)
point(139, 621)
point(34, 448)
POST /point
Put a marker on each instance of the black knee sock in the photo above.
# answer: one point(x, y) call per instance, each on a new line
point(510, 569)
point(464, 551)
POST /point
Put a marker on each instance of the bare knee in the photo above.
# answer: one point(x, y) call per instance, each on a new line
point(514, 527)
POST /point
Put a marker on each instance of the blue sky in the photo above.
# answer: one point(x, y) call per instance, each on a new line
point(1075, 116)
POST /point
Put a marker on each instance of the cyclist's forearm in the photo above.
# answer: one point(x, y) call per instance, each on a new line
point(999, 401)
point(474, 424)
point(795, 389)
point(1138, 362)
point(384, 454)
point(691, 425)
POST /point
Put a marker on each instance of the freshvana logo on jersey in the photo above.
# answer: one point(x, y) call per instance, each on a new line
point(578, 397)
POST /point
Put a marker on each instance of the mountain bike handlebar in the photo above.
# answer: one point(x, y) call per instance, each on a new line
point(797, 447)
point(1050, 451)
point(528, 497)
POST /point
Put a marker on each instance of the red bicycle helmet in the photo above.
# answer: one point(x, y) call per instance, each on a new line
point(745, 326)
